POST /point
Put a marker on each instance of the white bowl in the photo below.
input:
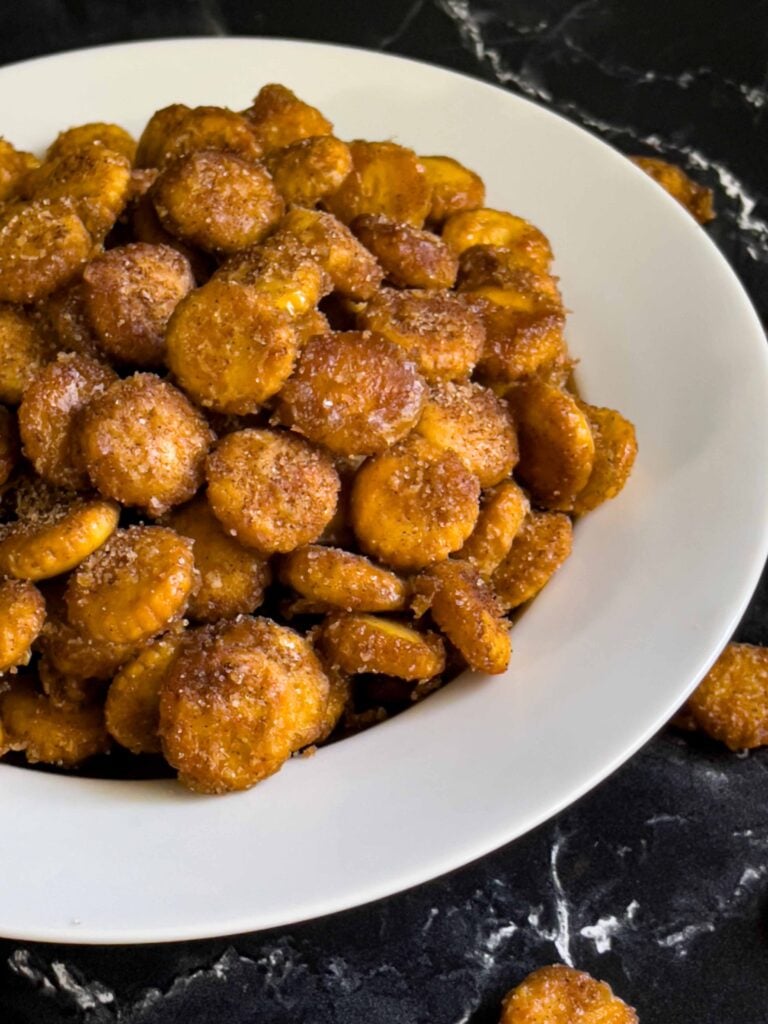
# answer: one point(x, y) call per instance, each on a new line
point(657, 581)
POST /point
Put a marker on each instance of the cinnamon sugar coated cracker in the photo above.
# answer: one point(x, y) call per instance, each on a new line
point(77, 655)
point(731, 702)
point(287, 430)
point(341, 579)
point(94, 178)
point(470, 420)
point(562, 995)
point(130, 293)
point(239, 699)
point(353, 392)
point(53, 531)
point(24, 350)
point(365, 643)
point(133, 586)
point(50, 416)
point(22, 614)
point(466, 609)
point(144, 443)
point(44, 244)
point(502, 513)
point(697, 199)
point(232, 578)
point(54, 735)
point(271, 490)
point(132, 707)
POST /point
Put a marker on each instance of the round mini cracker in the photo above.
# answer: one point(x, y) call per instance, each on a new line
point(229, 348)
point(356, 393)
point(50, 416)
point(731, 702)
point(414, 504)
point(22, 615)
point(271, 489)
point(217, 201)
point(239, 699)
point(144, 443)
point(130, 293)
point(232, 578)
point(138, 582)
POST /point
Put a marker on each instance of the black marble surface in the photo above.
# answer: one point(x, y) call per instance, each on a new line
point(658, 880)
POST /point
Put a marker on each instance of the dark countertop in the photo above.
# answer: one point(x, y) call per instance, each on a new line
point(657, 880)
